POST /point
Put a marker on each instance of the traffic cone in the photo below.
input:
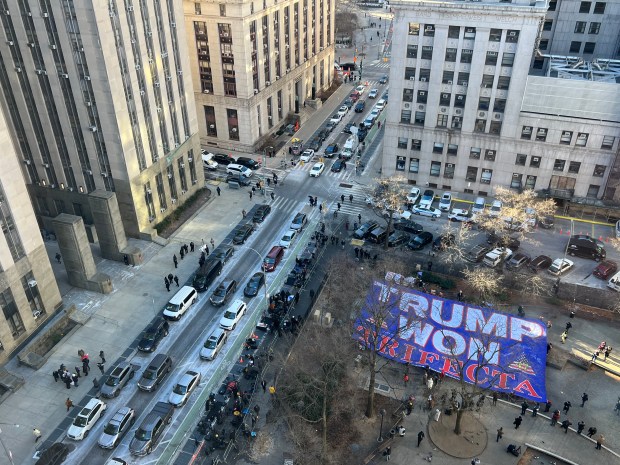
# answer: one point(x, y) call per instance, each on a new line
point(561, 231)
point(241, 359)
point(600, 238)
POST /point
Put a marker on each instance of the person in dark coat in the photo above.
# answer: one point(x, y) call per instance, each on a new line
point(517, 422)
point(420, 437)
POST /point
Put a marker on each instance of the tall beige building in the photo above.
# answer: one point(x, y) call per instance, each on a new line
point(256, 62)
point(28, 290)
point(98, 94)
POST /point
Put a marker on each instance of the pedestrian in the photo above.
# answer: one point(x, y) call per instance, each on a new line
point(257, 409)
point(494, 398)
point(420, 437)
point(599, 441)
point(517, 422)
point(547, 406)
point(591, 431)
point(101, 367)
point(338, 205)
point(176, 280)
point(212, 245)
point(351, 198)
point(584, 399)
point(74, 377)
point(524, 407)
point(565, 424)
point(37, 434)
point(387, 453)
point(102, 356)
point(219, 191)
point(430, 265)
point(68, 403)
point(55, 375)
point(85, 367)
point(594, 356)
point(568, 326)
point(617, 408)
point(459, 296)
point(167, 283)
point(563, 336)
point(174, 259)
point(272, 390)
point(263, 384)
point(555, 417)
point(567, 406)
point(342, 198)
point(191, 246)
point(272, 196)
point(549, 347)
point(359, 218)
point(500, 433)
point(401, 431)
point(253, 421)
point(251, 194)
point(67, 380)
point(607, 352)
point(77, 371)
point(126, 259)
point(181, 253)
point(580, 426)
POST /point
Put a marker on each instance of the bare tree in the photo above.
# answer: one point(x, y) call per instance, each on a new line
point(485, 281)
point(388, 200)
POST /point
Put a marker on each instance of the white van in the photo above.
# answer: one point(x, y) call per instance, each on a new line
point(614, 282)
point(207, 161)
point(478, 205)
point(239, 170)
point(180, 303)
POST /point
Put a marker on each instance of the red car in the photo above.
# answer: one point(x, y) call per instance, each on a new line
point(355, 95)
point(605, 269)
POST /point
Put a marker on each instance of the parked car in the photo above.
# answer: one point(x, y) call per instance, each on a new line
point(445, 203)
point(365, 229)
point(413, 195)
point(373, 93)
point(248, 163)
point(497, 256)
point(242, 234)
point(542, 262)
point(208, 162)
point(461, 215)
point(427, 211)
point(560, 266)
point(336, 118)
point(478, 206)
point(288, 238)
point(343, 110)
point(307, 155)
point(151, 430)
point(213, 344)
point(86, 419)
point(496, 208)
point(299, 221)
point(419, 241)
point(261, 213)
point(359, 106)
point(347, 128)
point(477, 253)
point(330, 126)
point(338, 166)
point(384, 79)
point(315, 144)
point(254, 284)
point(427, 198)
point(223, 253)
point(317, 170)
point(380, 105)
point(360, 89)
point(331, 150)
point(582, 245)
point(362, 132)
point(408, 226)
point(116, 381)
point(239, 179)
point(398, 238)
point(443, 241)
point(223, 292)
point(546, 222)
point(518, 261)
point(184, 388)
point(503, 241)
point(348, 102)
point(239, 170)
point(223, 159)
point(153, 334)
point(233, 315)
point(117, 427)
point(605, 269)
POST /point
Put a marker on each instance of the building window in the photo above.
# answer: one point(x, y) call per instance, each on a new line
point(495, 35)
point(566, 137)
point(472, 174)
point(422, 96)
point(453, 32)
point(526, 132)
point(420, 116)
point(552, 5)
point(407, 95)
point(222, 9)
point(486, 176)
point(414, 29)
point(582, 139)
point(400, 163)
point(535, 162)
point(599, 8)
point(425, 74)
point(182, 177)
point(451, 54)
point(483, 103)
point(11, 235)
point(512, 36)
point(573, 167)
point(456, 122)
point(593, 191)
point(459, 101)
point(444, 99)
point(412, 51)
point(442, 121)
point(427, 52)
point(453, 149)
point(503, 82)
point(463, 79)
point(402, 143)
point(489, 155)
point(521, 159)
point(530, 182)
point(429, 30)
point(541, 134)
point(558, 165)
point(466, 55)
point(448, 171)
point(416, 144)
point(233, 124)
point(487, 81)
point(584, 7)
point(437, 147)
point(515, 182)
point(435, 168)
point(548, 25)
point(414, 165)
point(474, 153)
point(580, 27)
point(161, 192)
point(608, 142)
point(508, 59)
point(499, 105)
point(575, 46)
point(11, 313)
point(409, 73)
point(210, 121)
point(594, 28)
point(480, 125)
point(599, 171)
point(405, 116)
point(448, 77)
point(192, 166)
point(197, 8)
point(172, 184)
point(31, 289)
point(470, 33)
point(589, 47)
point(491, 58)
point(543, 44)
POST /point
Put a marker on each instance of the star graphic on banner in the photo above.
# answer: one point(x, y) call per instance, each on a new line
point(522, 364)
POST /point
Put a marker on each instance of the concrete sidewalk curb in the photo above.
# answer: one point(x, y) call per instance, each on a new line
point(540, 449)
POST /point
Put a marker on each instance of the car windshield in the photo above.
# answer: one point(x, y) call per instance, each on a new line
point(179, 389)
point(80, 421)
point(211, 344)
point(149, 374)
point(254, 282)
point(112, 381)
point(220, 291)
point(111, 428)
point(270, 261)
point(142, 434)
point(230, 315)
point(418, 239)
point(149, 336)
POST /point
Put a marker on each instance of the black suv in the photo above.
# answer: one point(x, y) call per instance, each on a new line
point(365, 229)
point(223, 292)
point(153, 335)
point(331, 150)
point(223, 159)
point(248, 163)
point(443, 241)
point(359, 106)
point(503, 241)
point(243, 233)
point(408, 226)
point(261, 213)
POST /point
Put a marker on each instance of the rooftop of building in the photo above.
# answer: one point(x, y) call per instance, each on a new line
point(470, 3)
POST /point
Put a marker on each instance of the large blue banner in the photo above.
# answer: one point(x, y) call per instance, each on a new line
point(494, 350)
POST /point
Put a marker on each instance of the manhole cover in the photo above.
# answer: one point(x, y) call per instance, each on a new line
point(145, 294)
point(348, 186)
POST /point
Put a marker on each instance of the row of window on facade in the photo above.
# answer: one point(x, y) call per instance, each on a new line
point(566, 137)
point(462, 78)
point(222, 6)
point(466, 55)
point(475, 153)
point(454, 32)
point(10, 310)
point(419, 119)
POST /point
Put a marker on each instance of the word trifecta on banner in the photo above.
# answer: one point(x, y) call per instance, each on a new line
point(491, 349)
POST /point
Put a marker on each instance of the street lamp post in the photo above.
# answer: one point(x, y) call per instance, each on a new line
point(382, 413)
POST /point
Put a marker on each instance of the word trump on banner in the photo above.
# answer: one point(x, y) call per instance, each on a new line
point(488, 348)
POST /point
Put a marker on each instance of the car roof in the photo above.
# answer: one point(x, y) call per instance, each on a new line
point(188, 376)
